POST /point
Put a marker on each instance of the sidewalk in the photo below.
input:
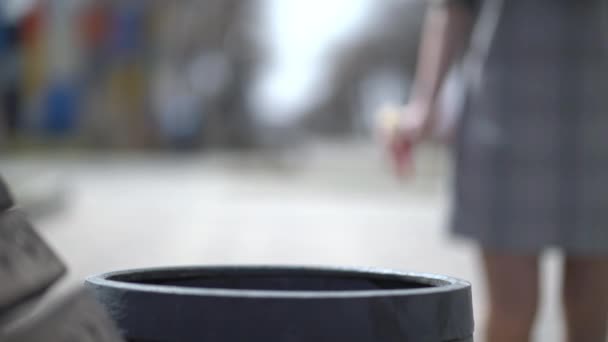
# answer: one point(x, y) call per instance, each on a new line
point(328, 206)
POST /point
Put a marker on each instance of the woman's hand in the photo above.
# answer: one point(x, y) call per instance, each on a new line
point(402, 129)
point(446, 33)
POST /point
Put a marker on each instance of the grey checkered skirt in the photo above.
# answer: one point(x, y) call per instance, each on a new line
point(531, 153)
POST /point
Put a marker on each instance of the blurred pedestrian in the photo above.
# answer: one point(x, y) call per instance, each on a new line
point(530, 148)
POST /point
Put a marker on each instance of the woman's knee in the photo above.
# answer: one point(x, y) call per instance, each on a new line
point(513, 288)
point(586, 283)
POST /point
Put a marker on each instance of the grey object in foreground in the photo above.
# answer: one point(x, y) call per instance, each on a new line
point(28, 266)
point(295, 304)
point(77, 318)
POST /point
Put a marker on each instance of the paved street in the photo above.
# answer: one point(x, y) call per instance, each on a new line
point(331, 205)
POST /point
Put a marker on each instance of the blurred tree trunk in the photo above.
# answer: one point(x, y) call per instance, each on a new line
point(389, 43)
point(210, 47)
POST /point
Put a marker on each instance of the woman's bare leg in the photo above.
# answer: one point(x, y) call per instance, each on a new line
point(513, 287)
point(585, 295)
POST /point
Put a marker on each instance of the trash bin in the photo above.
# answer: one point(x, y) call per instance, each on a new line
point(285, 304)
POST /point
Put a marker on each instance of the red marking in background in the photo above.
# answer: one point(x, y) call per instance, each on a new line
point(95, 23)
point(32, 25)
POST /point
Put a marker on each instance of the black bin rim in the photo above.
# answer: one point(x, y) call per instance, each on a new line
point(127, 280)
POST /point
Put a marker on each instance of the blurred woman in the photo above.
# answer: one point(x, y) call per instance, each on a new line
point(530, 147)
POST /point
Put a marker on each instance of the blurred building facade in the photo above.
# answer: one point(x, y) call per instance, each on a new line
point(154, 73)
point(128, 73)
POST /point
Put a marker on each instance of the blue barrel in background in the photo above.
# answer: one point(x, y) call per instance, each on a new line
point(61, 108)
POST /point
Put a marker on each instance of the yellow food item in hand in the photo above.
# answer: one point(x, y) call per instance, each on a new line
point(389, 120)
